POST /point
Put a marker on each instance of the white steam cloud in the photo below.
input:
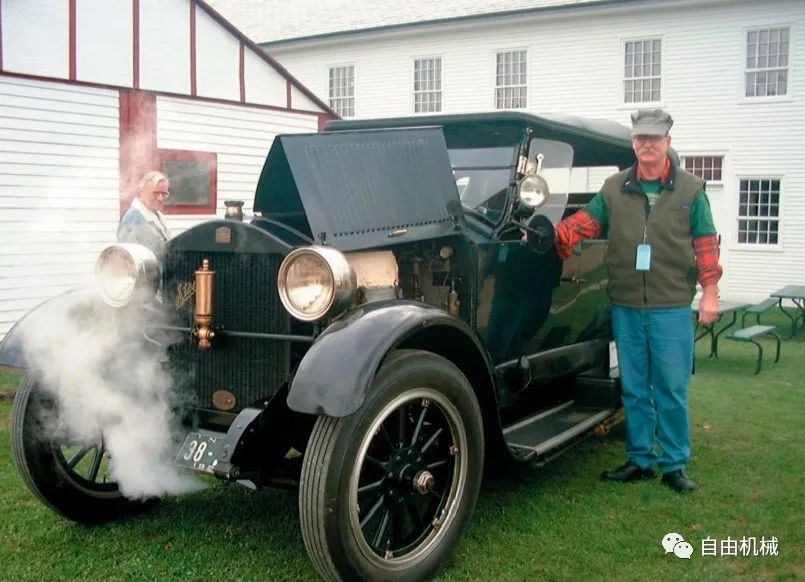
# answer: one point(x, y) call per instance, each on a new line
point(110, 386)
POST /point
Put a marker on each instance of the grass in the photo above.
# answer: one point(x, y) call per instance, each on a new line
point(9, 380)
point(556, 523)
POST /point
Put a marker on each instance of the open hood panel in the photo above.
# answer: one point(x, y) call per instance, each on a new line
point(360, 189)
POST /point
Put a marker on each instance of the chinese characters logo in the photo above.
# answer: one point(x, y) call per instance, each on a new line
point(745, 546)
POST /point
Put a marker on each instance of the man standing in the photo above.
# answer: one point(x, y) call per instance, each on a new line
point(661, 241)
point(144, 222)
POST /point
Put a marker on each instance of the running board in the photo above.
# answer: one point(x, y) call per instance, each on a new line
point(550, 431)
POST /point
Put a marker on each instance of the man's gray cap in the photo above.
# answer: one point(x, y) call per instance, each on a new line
point(651, 122)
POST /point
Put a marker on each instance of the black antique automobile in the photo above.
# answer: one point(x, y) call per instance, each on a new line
point(392, 316)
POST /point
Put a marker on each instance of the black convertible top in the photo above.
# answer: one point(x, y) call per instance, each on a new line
point(596, 142)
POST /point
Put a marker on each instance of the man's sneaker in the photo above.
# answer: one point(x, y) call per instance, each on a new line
point(679, 481)
point(627, 473)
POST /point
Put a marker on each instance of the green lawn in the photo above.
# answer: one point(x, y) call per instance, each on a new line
point(559, 522)
point(9, 380)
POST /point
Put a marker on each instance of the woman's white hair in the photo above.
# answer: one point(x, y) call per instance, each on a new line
point(153, 177)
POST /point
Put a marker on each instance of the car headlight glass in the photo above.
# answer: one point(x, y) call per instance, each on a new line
point(533, 191)
point(125, 272)
point(315, 282)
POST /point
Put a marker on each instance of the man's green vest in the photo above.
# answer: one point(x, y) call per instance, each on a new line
point(671, 279)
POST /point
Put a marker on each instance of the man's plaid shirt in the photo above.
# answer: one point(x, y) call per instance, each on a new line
point(582, 225)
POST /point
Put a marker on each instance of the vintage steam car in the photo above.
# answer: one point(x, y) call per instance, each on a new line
point(394, 311)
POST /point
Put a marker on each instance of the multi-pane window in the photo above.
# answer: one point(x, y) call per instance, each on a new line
point(759, 211)
point(767, 62)
point(511, 80)
point(708, 168)
point(428, 85)
point(641, 73)
point(342, 90)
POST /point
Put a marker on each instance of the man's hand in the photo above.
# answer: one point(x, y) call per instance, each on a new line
point(563, 241)
point(708, 305)
point(574, 229)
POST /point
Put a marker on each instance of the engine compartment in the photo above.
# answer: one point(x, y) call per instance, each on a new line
point(431, 272)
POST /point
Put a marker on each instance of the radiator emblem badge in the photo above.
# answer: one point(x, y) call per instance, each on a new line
point(184, 291)
point(223, 235)
point(223, 400)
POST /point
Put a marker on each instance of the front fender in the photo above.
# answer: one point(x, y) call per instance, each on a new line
point(337, 372)
point(12, 347)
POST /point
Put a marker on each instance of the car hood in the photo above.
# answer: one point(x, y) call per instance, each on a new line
point(360, 189)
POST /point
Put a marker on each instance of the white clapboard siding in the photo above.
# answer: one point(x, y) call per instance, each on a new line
point(59, 188)
point(38, 36)
point(35, 37)
point(9, 318)
point(20, 287)
point(217, 59)
point(240, 136)
point(575, 66)
point(107, 24)
point(81, 262)
point(165, 46)
point(60, 140)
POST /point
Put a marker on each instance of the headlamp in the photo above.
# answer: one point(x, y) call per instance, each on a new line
point(125, 272)
point(533, 191)
point(316, 282)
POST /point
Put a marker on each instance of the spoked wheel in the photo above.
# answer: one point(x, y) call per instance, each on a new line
point(71, 478)
point(387, 492)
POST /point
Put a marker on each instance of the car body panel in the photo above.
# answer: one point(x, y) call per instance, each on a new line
point(337, 371)
point(27, 332)
point(358, 190)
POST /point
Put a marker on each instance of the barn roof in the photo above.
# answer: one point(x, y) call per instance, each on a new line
point(274, 21)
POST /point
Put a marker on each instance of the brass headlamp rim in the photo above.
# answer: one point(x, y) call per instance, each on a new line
point(144, 269)
point(341, 275)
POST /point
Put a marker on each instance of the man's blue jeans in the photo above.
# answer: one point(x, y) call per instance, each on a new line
point(655, 353)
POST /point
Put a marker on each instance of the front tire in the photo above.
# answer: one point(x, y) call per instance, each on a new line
point(71, 478)
point(388, 492)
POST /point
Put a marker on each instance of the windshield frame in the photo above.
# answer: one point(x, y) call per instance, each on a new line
point(511, 182)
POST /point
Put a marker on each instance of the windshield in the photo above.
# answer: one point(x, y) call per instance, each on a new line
point(482, 177)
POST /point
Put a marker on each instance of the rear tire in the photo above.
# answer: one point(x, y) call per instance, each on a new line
point(70, 478)
point(388, 492)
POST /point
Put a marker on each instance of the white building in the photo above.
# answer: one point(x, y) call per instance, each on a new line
point(94, 93)
point(731, 72)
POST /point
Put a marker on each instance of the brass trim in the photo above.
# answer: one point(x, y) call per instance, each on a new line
point(603, 428)
point(205, 280)
point(453, 303)
point(223, 235)
point(224, 400)
point(184, 291)
point(341, 274)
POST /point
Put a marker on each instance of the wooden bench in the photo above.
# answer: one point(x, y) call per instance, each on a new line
point(759, 308)
point(749, 334)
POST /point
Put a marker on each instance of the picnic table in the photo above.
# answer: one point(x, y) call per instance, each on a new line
point(725, 308)
point(796, 294)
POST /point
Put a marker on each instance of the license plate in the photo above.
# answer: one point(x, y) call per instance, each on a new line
point(200, 451)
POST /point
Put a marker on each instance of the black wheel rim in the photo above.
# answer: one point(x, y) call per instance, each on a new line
point(409, 477)
point(85, 464)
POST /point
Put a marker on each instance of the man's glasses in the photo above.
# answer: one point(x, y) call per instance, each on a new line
point(648, 138)
point(165, 194)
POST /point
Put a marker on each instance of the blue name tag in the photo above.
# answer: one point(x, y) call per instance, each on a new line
point(643, 261)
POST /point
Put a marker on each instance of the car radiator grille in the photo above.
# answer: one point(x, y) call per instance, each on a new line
point(245, 299)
